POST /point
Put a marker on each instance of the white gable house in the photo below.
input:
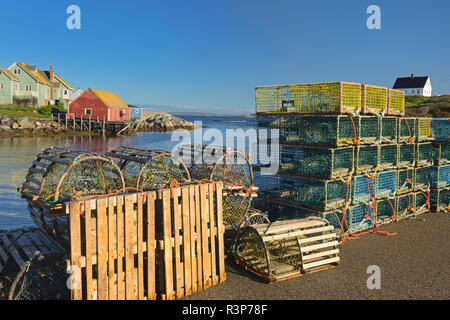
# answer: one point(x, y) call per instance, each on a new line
point(414, 86)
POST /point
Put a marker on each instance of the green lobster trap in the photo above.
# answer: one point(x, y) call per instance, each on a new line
point(276, 211)
point(312, 193)
point(423, 130)
point(440, 153)
point(370, 129)
point(329, 131)
point(406, 130)
point(440, 177)
point(422, 202)
point(339, 219)
point(385, 211)
point(405, 180)
point(374, 99)
point(406, 156)
point(440, 200)
point(396, 102)
point(389, 129)
point(424, 155)
point(367, 159)
point(286, 249)
point(361, 217)
point(405, 206)
point(388, 156)
point(323, 98)
point(322, 163)
point(386, 184)
point(422, 178)
point(441, 129)
point(364, 188)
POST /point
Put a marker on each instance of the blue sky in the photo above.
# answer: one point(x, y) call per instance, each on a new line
point(209, 55)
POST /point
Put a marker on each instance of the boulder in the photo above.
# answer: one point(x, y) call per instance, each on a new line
point(14, 125)
point(25, 123)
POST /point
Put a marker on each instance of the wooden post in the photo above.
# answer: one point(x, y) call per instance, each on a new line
point(89, 123)
point(58, 118)
point(66, 120)
point(103, 126)
point(74, 126)
point(81, 123)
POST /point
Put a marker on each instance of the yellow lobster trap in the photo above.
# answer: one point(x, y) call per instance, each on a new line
point(423, 130)
point(317, 98)
point(396, 103)
point(374, 99)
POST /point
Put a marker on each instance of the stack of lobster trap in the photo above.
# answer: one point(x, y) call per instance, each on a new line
point(348, 154)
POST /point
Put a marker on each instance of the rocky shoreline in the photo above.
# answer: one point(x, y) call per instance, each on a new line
point(29, 126)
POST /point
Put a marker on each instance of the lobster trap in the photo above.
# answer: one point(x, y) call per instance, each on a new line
point(367, 159)
point(388, 156)
point(440, 200)
point(440, 153)
point(422, 178)
point(370, 129)
point(313, 193)
point(422, 202)
point(424, 155)
point(423, 130)
point(406, 156)
point(396, 102)
point(231, 166)
point(440, 176)
point(329, 131)
point(276, 211)
point(386, 184)
point(61, 174)
point(389, 128)
point(440, 129)
point(405, 180)
point(364, 188)
point(336, 218)
point(146, 169)
point(385, 211)
point(323, 163)
point(374, 99)
point(361, 217)
point(324, 98)
point(406, 130)
point(286, 249)
point(405, 206)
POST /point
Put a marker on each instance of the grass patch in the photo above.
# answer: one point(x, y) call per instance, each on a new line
point(22, 111)
point(436, 107)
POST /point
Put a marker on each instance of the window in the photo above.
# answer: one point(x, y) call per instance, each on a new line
point(65, 91)
point(1, 86)
point(15, 71)
point(27, 88)
point(87, 111)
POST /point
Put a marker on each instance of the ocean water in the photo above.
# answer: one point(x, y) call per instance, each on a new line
point(17, 154)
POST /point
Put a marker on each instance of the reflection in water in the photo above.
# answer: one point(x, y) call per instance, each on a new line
point(18, 153)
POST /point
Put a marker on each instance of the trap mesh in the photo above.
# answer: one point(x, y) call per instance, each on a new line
point(249, 246)
point(388, 156)
point(374, 99)
point(421, 202)
point(441, 129)
point(406, 155)
point(385, 211)
point(336, 219)
point(405, 179)
point(440, 153)
point(389, 129)
point(276, 211)
point(309, 98)
point(406, 129)
point(404, 206)
point(396, 102)
point(440, 176)
point(386, 184)
point(317, 162)
point(312, 193)
point(367, 158)
point(364, 189)
point(370, 129)
point(424, 154)
point(440, 200)
point(422, 178)
point(423, 129)
point(361, 218)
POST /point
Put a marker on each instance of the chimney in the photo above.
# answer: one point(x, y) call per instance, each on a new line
point(412, 75)
point(51, 82)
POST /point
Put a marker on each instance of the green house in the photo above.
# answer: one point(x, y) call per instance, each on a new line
point(8, 83)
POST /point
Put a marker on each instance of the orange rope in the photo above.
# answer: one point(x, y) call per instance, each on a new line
point(355, 139)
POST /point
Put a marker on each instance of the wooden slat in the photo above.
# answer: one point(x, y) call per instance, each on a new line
point(3, 255)
point(120, 248)
point(191, 195)
point(88, 235)
point(204, 235)
point(22, 241)
point(185, 210)
point(42, 247)
point(320, 263)
point(177, 245)
point(11, 248)
point(220, 233)
point(320, 254)
point(129, 243)
point(75, 244)
point(151, 246)
point(167, 227)
point(102, 249)
point(322, 237)
point(112, 280)
point(140, 238)
point(296, 233)
point(198, 223)
point(320, 246)
point(213, 233)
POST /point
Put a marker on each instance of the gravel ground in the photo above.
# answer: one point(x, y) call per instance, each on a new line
point(414, 265)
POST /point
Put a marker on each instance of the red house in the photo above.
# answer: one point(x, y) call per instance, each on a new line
point(100, 104)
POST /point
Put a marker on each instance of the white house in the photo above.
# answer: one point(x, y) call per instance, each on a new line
point(414, 86)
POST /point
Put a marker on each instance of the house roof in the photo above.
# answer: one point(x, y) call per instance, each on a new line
point(9, 74)
point(63, 81)
point(110, 99)
point(409, 82)
point(33, 72)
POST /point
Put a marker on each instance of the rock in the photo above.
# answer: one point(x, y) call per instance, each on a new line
point(4, 128)
point(25, 123)
point(14, 125)
point(38, 124)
